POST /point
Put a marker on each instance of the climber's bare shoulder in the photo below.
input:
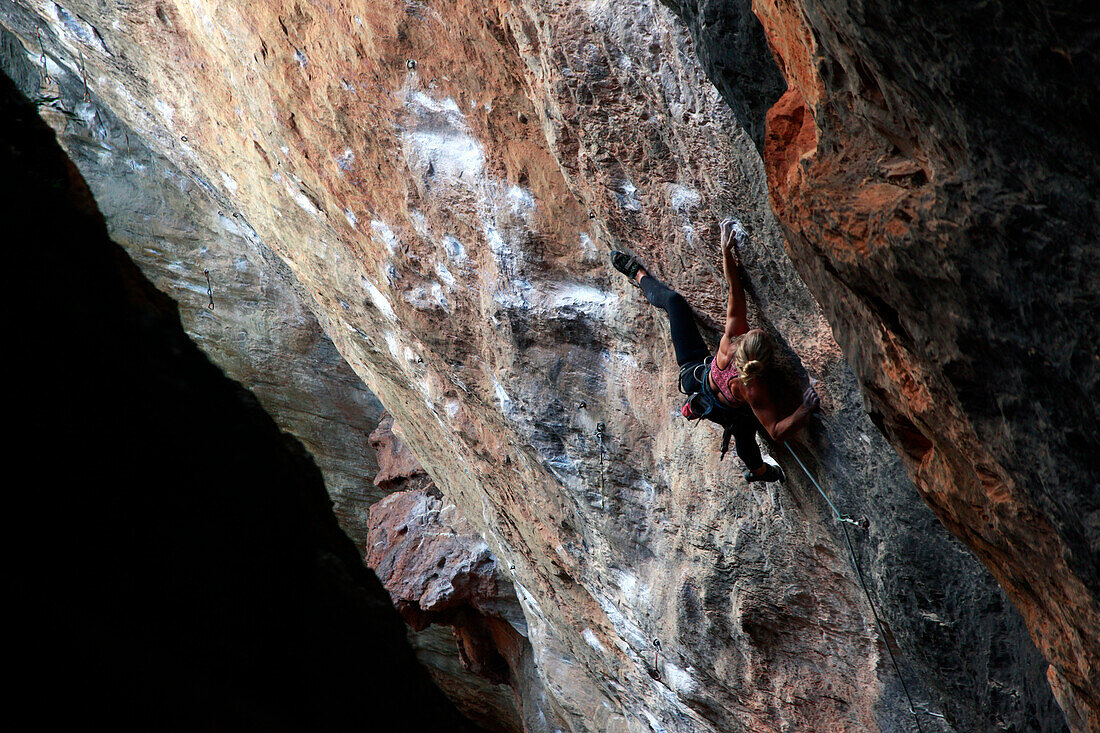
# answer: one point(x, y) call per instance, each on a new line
point(760, 400)
point(724, 354)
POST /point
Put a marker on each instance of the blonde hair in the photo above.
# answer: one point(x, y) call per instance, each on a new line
point(753, 354)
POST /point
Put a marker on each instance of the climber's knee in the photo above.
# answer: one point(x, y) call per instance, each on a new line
point(677, 305)
point(748, 451)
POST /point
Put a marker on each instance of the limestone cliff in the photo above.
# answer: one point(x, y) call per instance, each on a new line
point(936, 175)
point(439, 183)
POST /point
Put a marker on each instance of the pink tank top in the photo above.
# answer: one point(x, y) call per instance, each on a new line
point(722, 379)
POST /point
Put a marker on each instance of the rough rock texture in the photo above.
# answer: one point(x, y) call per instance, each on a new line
point(729, 42)
point(398, 467)
point(936, 175)
point(442, 179)
point(178, 566)
point(438, 570)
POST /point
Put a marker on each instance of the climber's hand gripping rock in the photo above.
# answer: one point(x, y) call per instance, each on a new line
point(810, 400)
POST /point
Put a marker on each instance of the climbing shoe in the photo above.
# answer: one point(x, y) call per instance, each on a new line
point(626, 264)
point(774, 473)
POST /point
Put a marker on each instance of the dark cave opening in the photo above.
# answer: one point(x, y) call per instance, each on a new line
point(179, 566)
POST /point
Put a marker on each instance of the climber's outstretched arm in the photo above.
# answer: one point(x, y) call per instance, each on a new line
point(785, 429)
point(737, 318)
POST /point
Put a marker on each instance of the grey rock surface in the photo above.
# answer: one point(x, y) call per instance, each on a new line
point(730, 45)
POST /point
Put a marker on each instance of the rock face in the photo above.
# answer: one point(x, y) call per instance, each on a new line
point(442, 180)
point(438, 570)
point(178, 552)
point(936, 176)
point(730, 44)
point(439, 574)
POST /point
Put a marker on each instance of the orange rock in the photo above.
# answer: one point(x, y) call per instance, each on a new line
point(884, 224)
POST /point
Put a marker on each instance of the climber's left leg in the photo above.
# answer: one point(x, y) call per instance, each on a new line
point(687, 342)
point(745, 428)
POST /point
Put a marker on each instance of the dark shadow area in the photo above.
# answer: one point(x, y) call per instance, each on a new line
point(178, 566)
point(731, 47)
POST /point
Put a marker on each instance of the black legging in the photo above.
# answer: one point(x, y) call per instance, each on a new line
point(691, 350)
point(686, 339)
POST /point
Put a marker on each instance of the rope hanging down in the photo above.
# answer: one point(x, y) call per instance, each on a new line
point(844, 519)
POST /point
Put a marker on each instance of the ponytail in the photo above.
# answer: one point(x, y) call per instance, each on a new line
point(751, 370)
point(753, 354)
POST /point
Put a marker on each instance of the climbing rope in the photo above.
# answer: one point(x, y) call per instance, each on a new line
point(839, 517)
point(843, 520)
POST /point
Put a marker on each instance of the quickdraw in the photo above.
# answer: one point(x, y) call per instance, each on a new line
point(599, 438)
point(209, 290)
point(84, 78)
point(42, 45)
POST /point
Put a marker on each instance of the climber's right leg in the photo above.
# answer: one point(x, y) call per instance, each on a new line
point(745, 428)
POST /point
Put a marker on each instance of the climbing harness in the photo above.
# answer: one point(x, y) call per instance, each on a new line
point(704, 403)
point(699, 404)
point(693, 370)
point(845, 520)
point(209, 290)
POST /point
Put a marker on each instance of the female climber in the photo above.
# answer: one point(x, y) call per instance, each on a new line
point(731, 387)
